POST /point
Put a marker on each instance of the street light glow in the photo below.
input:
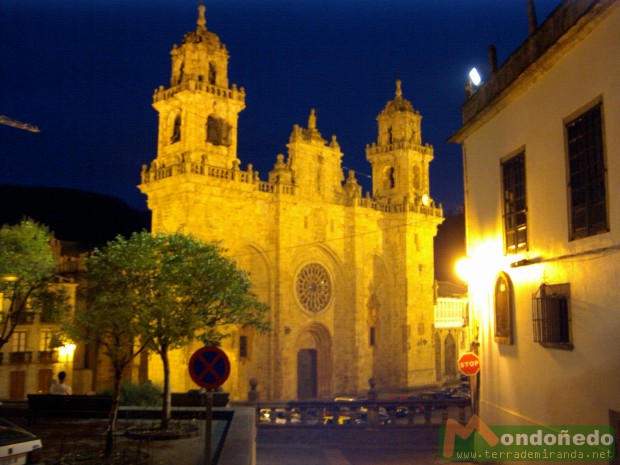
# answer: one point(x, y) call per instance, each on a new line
point(464, 269)
point(475, 77)
point(66, 350)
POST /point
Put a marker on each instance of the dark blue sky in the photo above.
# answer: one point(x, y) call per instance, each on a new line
point(84, 72)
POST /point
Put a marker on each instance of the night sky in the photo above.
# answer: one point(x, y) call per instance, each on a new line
point(84, 72)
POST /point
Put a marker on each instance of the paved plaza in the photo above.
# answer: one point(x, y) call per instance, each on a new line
point(348, 446)
point(275, 445)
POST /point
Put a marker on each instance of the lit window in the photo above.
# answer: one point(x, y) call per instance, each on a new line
point(19, 341)
point(586, 167)
point(45, 341)
point(515, 206)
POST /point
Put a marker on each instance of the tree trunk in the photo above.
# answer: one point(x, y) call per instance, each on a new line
point(166, 412)
point(116, 400)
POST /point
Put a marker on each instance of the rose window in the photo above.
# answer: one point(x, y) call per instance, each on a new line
point(313, 287)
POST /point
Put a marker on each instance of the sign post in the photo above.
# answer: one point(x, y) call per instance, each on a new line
point(209, 368)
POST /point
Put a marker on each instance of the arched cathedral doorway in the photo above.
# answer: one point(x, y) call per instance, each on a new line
point(450, 356)
point(314, 362)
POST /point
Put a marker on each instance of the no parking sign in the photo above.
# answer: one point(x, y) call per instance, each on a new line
point(209, 367)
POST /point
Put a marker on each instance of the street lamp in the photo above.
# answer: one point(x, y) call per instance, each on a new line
point(66, 351)
point(475, 77)
point(9, 278)
point(464, 269)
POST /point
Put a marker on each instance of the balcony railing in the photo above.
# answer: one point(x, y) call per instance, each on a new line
point(20, 357)
point(26, 318)
point(48, 356)
point(450, 312)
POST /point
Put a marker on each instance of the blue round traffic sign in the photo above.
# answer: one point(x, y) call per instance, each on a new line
point(209, 367)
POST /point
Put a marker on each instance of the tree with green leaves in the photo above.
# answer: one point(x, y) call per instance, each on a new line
point(192, 292)
point(28, 276)
point(112, 285)
point(165, 290)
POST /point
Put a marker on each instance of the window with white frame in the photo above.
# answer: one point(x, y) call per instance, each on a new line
point(45, 340)
point(19, 339)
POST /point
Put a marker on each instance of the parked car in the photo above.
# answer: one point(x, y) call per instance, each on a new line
point(18, 446)
point(279, 415)
point(341, 420)
point(382, 416)
point(402, 411)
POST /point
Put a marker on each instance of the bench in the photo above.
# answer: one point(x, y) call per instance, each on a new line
point(68, 407)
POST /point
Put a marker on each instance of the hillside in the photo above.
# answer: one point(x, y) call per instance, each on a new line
point(72, 215)
point(93, 219)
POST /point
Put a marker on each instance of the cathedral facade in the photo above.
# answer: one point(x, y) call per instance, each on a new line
point(348, 277)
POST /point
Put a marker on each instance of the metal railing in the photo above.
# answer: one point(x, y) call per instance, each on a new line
point(362, 413)
point(20, 357)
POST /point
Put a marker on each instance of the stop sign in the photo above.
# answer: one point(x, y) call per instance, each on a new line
point(469, 364)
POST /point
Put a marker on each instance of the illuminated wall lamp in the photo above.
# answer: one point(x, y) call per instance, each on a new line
point(474, 77)
point(465, 269)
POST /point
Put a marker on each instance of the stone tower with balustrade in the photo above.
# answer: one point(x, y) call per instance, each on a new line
point(348, 277)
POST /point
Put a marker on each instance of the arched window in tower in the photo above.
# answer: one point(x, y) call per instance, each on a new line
point(390, 138)
point(218, 131)
point(212, 73)
point(181, 70)
point(176, 130)
point(417, 178)
point(389, 181)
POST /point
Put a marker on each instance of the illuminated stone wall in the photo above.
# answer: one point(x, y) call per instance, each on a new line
point(330, 262)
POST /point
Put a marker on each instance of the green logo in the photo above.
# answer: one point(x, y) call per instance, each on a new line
point(479, 442)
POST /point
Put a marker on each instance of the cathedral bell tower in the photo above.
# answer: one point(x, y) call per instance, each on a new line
point(400, 163)
point(198, 113)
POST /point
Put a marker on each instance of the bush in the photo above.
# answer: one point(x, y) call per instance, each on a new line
point(139, 395)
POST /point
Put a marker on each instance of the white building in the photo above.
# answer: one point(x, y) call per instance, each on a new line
point(541, 152)
point(451, 337)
